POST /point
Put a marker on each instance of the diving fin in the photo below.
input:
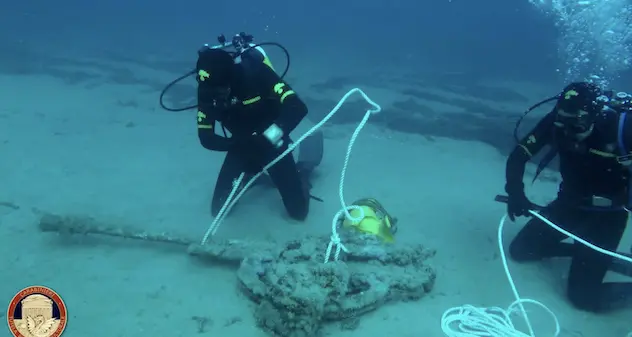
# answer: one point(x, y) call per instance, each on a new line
point(310, 155)
point(310, 151)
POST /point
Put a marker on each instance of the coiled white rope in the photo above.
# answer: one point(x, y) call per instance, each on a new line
point(232, 199)
point(471, 321)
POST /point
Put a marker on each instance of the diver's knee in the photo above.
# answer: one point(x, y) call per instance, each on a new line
point(216, 206)
point(299, 215)
point(584, 299)
point(299, 212)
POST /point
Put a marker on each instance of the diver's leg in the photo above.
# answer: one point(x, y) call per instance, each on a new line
point(586, 289)
point(292, 187)
point(231, 169)
point(616, 295)
point(537, 240)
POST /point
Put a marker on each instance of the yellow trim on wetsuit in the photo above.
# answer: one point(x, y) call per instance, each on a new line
point(203, 75)
point(201, 121)
point(267, 62)
point(201, 116)
point(279, 89)
point(251, 100)
point(286, 94)
point(526, 150)
point(602, 153)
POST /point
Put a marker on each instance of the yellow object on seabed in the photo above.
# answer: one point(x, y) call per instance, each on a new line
point(376, 221)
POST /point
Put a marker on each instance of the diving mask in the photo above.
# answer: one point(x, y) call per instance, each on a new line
point(215, 97)
point(574, 123)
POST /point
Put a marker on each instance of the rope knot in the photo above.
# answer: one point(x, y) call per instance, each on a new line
point(335, 239)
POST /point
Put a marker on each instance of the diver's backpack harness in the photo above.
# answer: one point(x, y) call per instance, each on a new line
point(625, 157)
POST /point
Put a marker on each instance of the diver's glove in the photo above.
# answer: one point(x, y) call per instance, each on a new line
point(518, 204)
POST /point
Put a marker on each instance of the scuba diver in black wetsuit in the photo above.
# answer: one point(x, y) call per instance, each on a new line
point(589, 131)
point(240, 91)
point(259, 109)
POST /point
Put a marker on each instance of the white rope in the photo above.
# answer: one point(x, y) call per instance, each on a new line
point(230, 201)
point(471, 321)
point(215, 225)
point(344, 211)
point(335, 241)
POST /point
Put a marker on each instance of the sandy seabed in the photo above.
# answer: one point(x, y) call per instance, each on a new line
point(67, 149)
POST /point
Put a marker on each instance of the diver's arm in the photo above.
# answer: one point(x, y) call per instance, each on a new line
point(530, 145)
point(208, 138)
point(293, 109)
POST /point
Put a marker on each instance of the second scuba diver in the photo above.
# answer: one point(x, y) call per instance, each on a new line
point(589, 131)
point(260, 110)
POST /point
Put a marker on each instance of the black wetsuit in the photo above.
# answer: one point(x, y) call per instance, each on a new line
point(260, 99)
point(592, 177)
